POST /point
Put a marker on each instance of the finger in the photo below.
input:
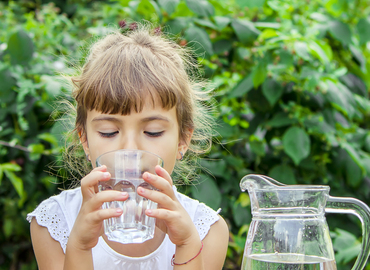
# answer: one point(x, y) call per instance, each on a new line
point(162, 182)
point(163, 200)
point(102, 168)
point(90, 182)
point(163, 214)
point(163, 173)
point(102, 214)
point(107, 196)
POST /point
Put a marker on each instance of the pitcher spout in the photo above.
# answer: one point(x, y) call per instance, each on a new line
point(251, 182)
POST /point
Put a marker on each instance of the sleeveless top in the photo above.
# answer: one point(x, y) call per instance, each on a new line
point(58, 214)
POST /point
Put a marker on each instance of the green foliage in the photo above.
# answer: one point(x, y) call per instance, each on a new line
point(291, 79)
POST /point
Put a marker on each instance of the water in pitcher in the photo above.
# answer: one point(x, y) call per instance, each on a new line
point(133, 226)
point(287, 262)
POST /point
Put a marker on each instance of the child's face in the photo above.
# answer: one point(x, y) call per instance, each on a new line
point(154, 129)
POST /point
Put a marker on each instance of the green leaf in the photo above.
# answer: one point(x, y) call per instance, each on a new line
point(341, 98)
point(243, 87)
point(222, 46)
point(284, 174)
point(52, 86)
point(245, 30)
point(353, 153)
point(8, 226)
point(221, 22)
point(207, 192)
point(20, 48)
point(48, 138)
point(199, 40)
point(259, 74)
point(205, 23)
point(354, 174)
point(281, 119)
point(201, 7)
point(341, 32)
point(176, 25)
point(302, 50)
point(346, 245)
point(363, 29)
point(251, 3)
point(169, 5)
point(296, 144)
point(337, 7)
point(241, 215)
point(1, 174)
point(244, 200)
point(317, 51)
point(272, 90)
point(367, 143)
point(359, 56)
point(36, 149)
point(16, 182)
point(7, 82)
point(215, 167)
point(11, 167)
point(267, 33)
point(148, 8)
point(258, 148)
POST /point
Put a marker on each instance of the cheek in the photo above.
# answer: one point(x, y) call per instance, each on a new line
point(169, 156)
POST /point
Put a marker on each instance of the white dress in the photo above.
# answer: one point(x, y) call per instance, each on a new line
point(58, 214)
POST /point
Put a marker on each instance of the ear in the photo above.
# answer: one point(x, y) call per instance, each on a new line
point(184, 143)
point(83, 139)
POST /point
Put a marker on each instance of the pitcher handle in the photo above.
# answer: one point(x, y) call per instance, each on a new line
point(362, 211)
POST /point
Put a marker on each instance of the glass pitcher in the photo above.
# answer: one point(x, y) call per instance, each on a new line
point(289, 230)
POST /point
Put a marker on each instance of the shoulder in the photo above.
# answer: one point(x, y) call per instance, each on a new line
point(57, 214)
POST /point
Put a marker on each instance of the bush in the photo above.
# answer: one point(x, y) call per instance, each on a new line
point(292, 83)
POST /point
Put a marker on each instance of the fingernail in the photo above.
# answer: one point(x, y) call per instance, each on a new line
point(141, 190)
point(119, 210)
point(149, 212)
point(148, 176)
point(106, 175)
point(124, 194)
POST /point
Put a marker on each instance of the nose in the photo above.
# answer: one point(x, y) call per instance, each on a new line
point(130, 142)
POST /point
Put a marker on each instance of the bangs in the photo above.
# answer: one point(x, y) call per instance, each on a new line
point(123, 78)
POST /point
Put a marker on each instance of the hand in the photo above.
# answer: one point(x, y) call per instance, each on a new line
point(171, 216)
point(89, 222)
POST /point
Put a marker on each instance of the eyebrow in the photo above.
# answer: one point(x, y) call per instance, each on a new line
point(144, 120)
point(106, 118)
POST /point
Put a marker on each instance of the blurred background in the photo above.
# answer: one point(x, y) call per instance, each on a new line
point(291, 79)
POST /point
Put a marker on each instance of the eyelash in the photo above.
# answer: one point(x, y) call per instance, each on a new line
point(154, 134)
point(112, 134)
point(108, 135)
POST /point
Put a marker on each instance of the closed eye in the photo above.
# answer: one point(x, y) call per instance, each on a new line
point(154, 134)
point(108, 134)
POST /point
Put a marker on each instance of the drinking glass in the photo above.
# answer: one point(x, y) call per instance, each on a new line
point(126, 168)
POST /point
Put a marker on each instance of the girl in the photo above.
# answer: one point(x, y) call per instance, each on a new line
point(133, 93)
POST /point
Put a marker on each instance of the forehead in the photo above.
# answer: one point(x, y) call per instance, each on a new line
point(149, 113)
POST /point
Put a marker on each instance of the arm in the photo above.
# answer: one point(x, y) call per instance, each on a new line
point(89, 222)
point(85, 232)
point(215, 245)
point(49, 254)
point(210, 258)
point(173, 219)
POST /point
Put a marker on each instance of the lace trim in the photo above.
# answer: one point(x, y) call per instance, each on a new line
point(48, 214)
point(204, 219)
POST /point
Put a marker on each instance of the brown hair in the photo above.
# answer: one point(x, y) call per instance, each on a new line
point(123, 69)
